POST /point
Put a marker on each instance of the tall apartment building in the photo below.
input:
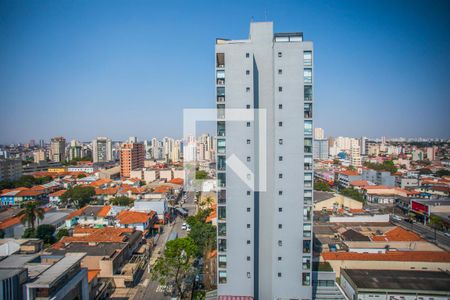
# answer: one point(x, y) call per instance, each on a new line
point(265, 237)
point(10, 169)
point(58, 149)
point(132, 156)
point(102, 150)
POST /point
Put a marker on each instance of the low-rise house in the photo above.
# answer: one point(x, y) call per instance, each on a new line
point(142, 221)
point(153, 202)
point(378, 177)
point(90, 215)
point(344, 178)
point(108, 250)
point(385, 194)
point(55, 198)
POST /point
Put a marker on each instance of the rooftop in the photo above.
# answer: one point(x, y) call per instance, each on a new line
point(397, 234)
point(55, 272)
point(409, 280)
point(428, 256)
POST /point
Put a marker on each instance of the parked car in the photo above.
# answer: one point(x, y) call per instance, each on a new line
point(184, 226)
point(447, 234)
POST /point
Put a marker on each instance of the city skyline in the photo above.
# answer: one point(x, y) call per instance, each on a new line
point(87, 67)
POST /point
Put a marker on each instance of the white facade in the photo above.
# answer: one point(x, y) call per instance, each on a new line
point(263, 237)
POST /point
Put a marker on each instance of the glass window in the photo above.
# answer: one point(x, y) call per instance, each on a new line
point(247, 55)
point(307, 75)
point(222, 229)
point(221, 146)
point(221, 178)
point(308, 163)
point(307, 58)
point(280, 88)
point(280, 54)
point(220, 91)
point(220, 74)
point(306, 262)
point(307, 214)
point(222, 276)
point(220, 60)
point(221, 128)
point(308, 93)
point(280, 106)
point(306, 246)
point(306, 279)
point(247, 72)
point(222, 245)
point(222, 196)
point(222, 261)
point(308, 144)
point(221, 111)
point(221, 163)
point(308, 127)
point(222, 212)
point(308, 110)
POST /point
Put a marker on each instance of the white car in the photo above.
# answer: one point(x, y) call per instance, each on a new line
point(188, 228)
point(447, 234)
point(396, 218)
point(184, 226)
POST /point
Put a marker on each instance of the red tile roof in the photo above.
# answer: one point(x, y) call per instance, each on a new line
point(177, 181)
point(108, 191)
point(57, 193)
point(425, 256)
point(10, 222)
point(397, 234)
point(133, 217)
point(359, 182)
point(349, 173)
point(95, 235)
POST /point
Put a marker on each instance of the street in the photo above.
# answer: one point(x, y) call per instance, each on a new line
point(147, 288)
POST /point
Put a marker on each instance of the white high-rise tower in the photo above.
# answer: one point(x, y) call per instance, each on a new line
point(265, 237)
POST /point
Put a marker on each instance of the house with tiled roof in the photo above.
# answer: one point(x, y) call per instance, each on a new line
point(344, 178)
point(55, 197)
point(142, 221)
point(90, 215)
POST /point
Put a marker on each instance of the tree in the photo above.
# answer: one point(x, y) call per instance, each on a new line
point(45, 232)
point(321, 186)
point(352, 168)
point(81, 176)
point(201, 174)
point(387, 165)
point(61, 233)
point(29, 233)
point(352, 193)
point(208, 201)
point(204, 235)
point(176, 265)
point(78, 196)
point(30, 213)
point(436, 223)
point(121, 201)
point(443, 172)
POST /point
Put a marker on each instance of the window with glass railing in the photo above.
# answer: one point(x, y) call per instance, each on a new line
point(307, 58)
point(307, 75)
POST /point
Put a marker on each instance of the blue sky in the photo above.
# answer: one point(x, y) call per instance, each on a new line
point(120, 68)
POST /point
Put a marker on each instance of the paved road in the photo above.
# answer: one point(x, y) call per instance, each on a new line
point(427, 233)
point(149, 289)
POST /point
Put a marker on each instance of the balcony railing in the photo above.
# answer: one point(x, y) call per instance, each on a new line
point(220, 81)
point(308, 149)
point(308, 114)
point(220, 98)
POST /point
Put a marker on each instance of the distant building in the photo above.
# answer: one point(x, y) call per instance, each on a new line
point(319, 133)
point(58, 149)
point(40, 155)
point(75, 150)
point(132, 156)
point(378, 177)
point(10, 169)
point(320, 148)
point(102, 150)
point(355, 156)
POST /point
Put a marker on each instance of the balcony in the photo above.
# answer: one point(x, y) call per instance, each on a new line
point(221, 195)
point(220, 81)
point(221, 99)
point(308, 149)
point(308, 114)
point(308, 166)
